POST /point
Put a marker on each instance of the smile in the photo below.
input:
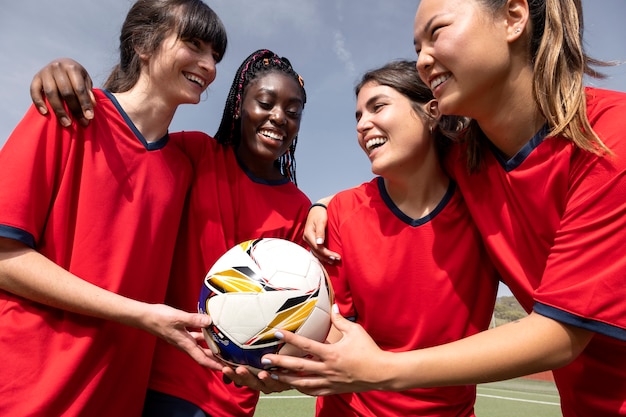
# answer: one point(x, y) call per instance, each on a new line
point(271, 135)
point(375, 143)
point(195, 79)
point(439, 80)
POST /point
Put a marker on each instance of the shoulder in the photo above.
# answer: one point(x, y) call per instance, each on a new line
point(602, 104)
point(193, 143)
point(606, 110)
point(354, 199)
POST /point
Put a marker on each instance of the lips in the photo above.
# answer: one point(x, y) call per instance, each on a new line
point(195, 79)
point(271, 134)
point(438, 80)
point(373, 143)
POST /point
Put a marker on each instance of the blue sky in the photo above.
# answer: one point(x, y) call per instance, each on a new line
point(329, 42)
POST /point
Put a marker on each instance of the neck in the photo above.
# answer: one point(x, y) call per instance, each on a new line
point(418, 193)
point(258, 166)
point(513, 117)
point(149, 113)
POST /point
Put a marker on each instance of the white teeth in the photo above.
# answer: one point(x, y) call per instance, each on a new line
point(374, 142)
point(195, 79)
point(438, 81)
point(271, 135)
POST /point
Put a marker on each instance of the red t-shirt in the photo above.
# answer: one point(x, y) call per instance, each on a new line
point(105, 205)
point(227, 205)
point(411, 284)
point(554, 219)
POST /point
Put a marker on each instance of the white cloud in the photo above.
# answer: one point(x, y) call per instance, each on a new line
point(344, 54)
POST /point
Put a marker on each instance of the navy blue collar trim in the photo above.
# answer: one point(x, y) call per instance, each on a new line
point(408, 220)
point(510, 164)
point(258, 180)
point(153, 146)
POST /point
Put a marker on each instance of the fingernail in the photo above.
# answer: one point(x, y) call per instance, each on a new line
point(335, 309)
point(89, 114)
point(274, 377)
point(279, 335)
point(332, 258)
point(65, 122)
point(319, 240)
point(266, 361)
point(43, 110)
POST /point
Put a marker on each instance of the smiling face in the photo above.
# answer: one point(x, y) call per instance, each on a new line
point(271, 111)
point(390, 131)
point(182, 69)
point(463, 54)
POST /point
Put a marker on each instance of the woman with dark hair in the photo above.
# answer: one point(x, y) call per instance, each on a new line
point(396, 233)
point(89, 221)
point(244, 187)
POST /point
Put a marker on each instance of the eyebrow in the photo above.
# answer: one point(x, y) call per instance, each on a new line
point(272, 92)
point(427, 27)
point(369, 103)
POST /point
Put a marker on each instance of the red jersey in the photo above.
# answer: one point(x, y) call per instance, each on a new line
point(227, 205)
point(554, 220)
point(411, 284)
point(105, 205)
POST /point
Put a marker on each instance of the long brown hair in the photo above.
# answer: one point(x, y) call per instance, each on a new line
point(148, 22)
point(402, 76)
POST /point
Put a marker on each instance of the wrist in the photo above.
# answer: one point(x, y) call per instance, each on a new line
point(318, 205)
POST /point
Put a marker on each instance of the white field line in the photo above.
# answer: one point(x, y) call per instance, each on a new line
point(499, 397)
point(284, 397)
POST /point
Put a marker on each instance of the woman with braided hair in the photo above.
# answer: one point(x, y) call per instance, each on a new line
point(244, 187)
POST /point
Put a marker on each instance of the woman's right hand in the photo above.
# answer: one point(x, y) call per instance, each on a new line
point(315, 231)
point(64, 81)
point(178, 328)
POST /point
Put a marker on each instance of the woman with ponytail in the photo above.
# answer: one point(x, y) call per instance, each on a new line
point(542, 168)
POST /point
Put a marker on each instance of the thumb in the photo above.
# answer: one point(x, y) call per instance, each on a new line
point(340, 322)
point(198, 320)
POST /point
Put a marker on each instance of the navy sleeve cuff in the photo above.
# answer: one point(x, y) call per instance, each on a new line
point(574, 320)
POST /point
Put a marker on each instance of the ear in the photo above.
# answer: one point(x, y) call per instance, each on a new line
point(432, 108)
point(143, 56)
point(517, 18)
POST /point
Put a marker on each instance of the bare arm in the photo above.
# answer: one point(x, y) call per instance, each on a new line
point(355, 363)
point(64, 81)
point(27, 273)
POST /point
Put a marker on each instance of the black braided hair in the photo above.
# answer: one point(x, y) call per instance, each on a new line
point(257, 64)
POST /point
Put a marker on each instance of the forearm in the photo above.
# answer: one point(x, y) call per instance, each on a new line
point(29, 274)
point(530, 345)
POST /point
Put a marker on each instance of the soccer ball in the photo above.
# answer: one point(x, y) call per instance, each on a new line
point(258, 287)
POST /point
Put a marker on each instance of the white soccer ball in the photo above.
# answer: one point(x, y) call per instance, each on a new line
point(257, 288)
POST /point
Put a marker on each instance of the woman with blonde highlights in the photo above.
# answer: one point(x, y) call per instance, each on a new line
point(542, 168)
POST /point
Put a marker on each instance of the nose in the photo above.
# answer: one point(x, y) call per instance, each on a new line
point(209, 65)
point(363, 123)
point(424, 64)
point(277, 116)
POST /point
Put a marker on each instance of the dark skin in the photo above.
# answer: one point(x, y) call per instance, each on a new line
point(271, 112)
point(64, 81)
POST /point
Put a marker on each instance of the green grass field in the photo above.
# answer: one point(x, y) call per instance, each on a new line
point(517, 397)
